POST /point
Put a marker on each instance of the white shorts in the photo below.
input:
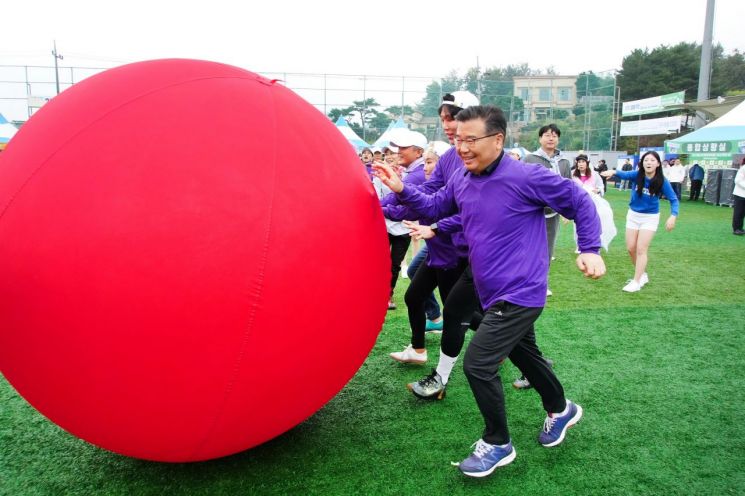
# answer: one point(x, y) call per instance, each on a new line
point(637, 221)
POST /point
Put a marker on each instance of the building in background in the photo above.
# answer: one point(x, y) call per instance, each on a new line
point(544, 95)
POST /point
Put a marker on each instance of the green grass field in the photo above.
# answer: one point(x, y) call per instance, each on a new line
point(659, 373)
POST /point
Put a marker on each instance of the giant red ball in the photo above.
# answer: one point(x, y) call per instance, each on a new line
point(192, 260)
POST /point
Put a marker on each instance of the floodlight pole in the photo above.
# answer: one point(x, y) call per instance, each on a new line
point(704, 72)
point(57, 56)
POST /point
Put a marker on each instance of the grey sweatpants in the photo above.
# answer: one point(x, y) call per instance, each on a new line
point(552, 231)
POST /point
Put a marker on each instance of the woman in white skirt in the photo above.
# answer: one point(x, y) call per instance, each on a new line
point(644, 213)
point(592, 182)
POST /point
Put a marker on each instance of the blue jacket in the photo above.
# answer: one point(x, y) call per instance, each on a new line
point(646, 203)
point(696, 173)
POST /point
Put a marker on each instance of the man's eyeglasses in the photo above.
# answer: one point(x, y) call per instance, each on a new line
point(472, 141)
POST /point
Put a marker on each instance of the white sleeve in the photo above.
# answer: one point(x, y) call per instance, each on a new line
point(740, 177)
point(598, 183)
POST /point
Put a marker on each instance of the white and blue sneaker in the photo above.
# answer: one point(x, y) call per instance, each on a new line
point(555, 426)
point(486, 458)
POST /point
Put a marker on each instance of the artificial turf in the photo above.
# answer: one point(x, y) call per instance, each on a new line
point(660, 374)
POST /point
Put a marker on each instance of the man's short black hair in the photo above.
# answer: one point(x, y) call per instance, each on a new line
point(492, 116)
point(549, 127)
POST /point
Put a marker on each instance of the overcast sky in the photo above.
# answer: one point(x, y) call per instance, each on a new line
point(379, 37)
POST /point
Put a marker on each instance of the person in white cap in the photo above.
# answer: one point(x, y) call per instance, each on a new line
point(431, 306)
point(390, 155)
point(410, 147)
point(377, 154)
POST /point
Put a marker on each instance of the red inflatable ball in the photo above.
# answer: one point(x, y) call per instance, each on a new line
point(192, 260)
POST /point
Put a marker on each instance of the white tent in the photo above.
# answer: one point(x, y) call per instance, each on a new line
point(718, 140)
point(7, 130)
point(385, 138)
point(357, 142)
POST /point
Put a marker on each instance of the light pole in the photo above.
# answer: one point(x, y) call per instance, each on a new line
point(57, 56)
point(704, 72)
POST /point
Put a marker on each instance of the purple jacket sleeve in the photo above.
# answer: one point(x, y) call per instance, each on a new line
point(414, 178)
point(389, 199)
point(450, 225)
point(626, 175)
point(570, 201)
point(393, 210)
point(437, 206)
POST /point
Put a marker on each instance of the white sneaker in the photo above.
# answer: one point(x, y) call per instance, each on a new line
point(409, 355)
point(632, 286)
point(549, 292)
point(404, 271)
point(644, 280)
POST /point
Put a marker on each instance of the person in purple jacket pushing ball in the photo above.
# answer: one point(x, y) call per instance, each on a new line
point(501, 204)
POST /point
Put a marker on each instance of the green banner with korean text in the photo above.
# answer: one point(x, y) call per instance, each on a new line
point(652, 105)
point(712, 150)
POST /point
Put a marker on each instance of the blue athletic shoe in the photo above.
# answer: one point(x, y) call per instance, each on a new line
point(433, 326)
point(485, 458)
point(555, 426)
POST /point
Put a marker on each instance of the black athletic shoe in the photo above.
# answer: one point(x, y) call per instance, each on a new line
point(429, 387)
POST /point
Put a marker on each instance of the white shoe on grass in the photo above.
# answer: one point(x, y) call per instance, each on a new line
point(643, 280)
point(409, 355)
point(632, 286)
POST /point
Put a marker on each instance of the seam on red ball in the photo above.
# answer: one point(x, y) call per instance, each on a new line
point(255, 293)
point(101, 117)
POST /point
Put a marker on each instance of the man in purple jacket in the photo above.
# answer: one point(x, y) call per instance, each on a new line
point(410, 146)
point(501, 203)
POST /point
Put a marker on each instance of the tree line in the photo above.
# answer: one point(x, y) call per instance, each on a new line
point(644, 73)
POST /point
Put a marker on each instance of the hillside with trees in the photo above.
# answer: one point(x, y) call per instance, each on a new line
point(644, 73)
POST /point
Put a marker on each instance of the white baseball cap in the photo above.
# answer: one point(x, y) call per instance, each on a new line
point(439, 147)
point(462, 99)
point(409, 138)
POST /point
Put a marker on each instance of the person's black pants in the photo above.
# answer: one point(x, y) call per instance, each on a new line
point(738, 212)
point(507, 331)
point(695, 189)
point(460, 311)
point(677, 188)
point(424, 282)
point(399, 246)
point(431, 307)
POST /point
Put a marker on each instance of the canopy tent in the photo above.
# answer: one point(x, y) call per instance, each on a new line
point(714, 108)
point(715, 143)
point(385, 138)
point(7, 130)
point(357, 142)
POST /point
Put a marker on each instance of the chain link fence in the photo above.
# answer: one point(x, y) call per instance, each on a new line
point(586, 110)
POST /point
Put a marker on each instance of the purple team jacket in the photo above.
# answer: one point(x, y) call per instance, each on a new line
point(449, 245)
point(504, 227)
point(414, 176)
